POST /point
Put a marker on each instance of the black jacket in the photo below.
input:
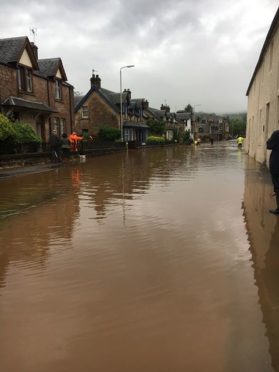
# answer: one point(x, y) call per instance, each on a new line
point(273, 144)
point(54, 142)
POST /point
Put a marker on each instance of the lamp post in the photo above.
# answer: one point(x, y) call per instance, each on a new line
point(121, 111)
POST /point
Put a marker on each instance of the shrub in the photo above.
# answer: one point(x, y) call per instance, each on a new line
point(6, 128)
point(109, 134)
point(14, 137)
point(24, 134)
point(186, 136)
point(154, 140)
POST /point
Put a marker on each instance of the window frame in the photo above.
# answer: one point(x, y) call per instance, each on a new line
point(84, 112)
point(58, 90)
point(25, 79)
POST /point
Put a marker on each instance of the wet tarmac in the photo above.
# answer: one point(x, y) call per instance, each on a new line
point(152, 260)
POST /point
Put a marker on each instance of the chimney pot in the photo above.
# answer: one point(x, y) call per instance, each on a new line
point(34, 50)
point(95, 81)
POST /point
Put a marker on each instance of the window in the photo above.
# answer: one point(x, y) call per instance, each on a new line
point(58, 90)
point(62, 126)
point(24, 76)
point(84, 112)
point(59, 124)
point(56, 125)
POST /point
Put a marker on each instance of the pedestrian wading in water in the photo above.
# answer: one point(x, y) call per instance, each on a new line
point(55, 147)
point(273, 145)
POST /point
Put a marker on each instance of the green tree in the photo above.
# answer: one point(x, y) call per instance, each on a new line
point(189, 109)
point(237, 125)
point(156, 126)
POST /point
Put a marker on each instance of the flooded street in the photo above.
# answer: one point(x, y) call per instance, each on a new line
point(156, 260)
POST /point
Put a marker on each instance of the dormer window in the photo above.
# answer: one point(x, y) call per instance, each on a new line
point(58, 90)
point(24, 76)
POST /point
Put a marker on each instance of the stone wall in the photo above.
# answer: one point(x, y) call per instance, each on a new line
point(8, 82)
point(100, 114)
point(43, 91)
point(263, 103)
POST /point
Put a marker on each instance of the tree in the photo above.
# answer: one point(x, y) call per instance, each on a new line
point(237, 124)
point(156, 126)
point(189, 109)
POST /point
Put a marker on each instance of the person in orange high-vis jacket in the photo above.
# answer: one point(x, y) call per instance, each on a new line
point(74, 139)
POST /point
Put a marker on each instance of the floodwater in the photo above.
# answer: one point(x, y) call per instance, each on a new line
point(155, 260)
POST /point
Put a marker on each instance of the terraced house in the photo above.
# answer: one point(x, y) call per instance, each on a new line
point(34, 91)
point(263, 96)
point(100, 108)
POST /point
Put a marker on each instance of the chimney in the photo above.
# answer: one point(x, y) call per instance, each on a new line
point(95, 81)
point(145, 104)
point(34, 50)
point(165, 107)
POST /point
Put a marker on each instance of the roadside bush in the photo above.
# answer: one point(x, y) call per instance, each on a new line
point(26, 140)
point(186, 136)
point(17, 137)
point(7, 135)
point(109, 134)
point(155, 140)
point(25, 134)
point(6, 128)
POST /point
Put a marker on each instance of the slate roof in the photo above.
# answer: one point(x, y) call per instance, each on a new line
point(180, 116)
point(112, 98)
point(77, 100)
point(11, 49)
point(159, 114)
point(26, 104)
point(50, 66)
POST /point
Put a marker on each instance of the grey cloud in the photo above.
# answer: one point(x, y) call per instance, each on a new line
point(178, 58)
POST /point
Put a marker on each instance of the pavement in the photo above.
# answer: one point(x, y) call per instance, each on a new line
point(18, 171)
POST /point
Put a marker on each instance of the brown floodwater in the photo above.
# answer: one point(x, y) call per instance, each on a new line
point(154, 260)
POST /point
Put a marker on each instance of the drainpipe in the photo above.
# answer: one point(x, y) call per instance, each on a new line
point(49, 119)
point(71, 99)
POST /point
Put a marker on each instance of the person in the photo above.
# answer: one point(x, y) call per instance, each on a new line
point(273, 145)
point(55, 145)
point(66, 146)
point(240, 141)
point(211, 140)
point(74, 139)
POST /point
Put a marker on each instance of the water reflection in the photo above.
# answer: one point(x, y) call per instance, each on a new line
point(134, 262)
point(263, 232)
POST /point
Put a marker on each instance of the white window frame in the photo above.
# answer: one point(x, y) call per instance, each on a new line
point(84, 112)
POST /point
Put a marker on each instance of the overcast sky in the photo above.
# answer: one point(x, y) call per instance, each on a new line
point(201, 52)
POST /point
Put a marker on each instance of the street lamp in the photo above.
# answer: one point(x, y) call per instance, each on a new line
point(121, 111)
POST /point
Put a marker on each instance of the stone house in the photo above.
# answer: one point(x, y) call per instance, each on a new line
point(101, 108)
point(176, 123)
point(263, 96)
point(34, 91)
point(206, 126)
